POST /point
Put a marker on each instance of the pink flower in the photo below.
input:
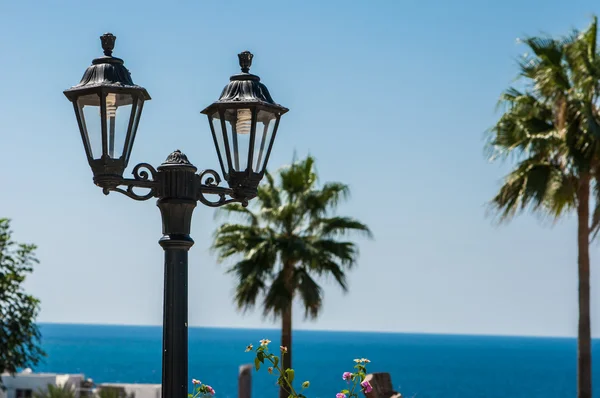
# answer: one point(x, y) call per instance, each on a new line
point(347, 376)
point(194, 381)
point(366, 386)
point(210, 390)
point(340, 395)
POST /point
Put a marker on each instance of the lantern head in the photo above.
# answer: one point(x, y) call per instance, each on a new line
point(108, 106)
point(244, 123)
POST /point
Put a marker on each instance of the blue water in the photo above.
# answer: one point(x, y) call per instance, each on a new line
point(425, 366)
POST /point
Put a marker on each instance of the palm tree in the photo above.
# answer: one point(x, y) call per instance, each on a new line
point(288, 240)
point(551, 129)
point(52, 391)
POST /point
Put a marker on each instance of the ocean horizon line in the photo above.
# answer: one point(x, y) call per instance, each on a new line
point(302, 330)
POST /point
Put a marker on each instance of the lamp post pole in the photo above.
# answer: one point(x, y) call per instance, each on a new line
point(176, 208)
point(108, 107)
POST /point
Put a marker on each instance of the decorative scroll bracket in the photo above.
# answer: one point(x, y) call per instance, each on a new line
point(141, 179)
point(209, 181)
point(146, 176)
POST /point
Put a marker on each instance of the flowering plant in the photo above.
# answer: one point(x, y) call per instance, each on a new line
point(355, 380)
point(201, 390)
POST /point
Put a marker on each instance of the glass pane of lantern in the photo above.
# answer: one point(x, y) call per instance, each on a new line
point(238, 123)
point(136, 122)
point(264, 133)
point(215, 121)
point(118, 114)
point(89, 113)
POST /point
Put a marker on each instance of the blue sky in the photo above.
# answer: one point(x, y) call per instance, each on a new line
point(391, 97)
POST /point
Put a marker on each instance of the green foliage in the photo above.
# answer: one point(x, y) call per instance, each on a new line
point(113, 392)
point(285, 377)
point(52, 391)
point(19, 335)
point(550, 127)
point(287, 239)
point(201, 390)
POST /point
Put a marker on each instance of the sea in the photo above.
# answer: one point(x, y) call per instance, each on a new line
point(420, 365)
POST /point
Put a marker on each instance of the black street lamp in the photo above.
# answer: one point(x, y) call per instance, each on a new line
point(244, 123)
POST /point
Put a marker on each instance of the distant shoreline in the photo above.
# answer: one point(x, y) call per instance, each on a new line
point(276, 330)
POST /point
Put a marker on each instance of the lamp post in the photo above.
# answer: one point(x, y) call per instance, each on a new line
point(243, 123)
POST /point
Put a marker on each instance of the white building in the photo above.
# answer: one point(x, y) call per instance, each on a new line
point(24, 384)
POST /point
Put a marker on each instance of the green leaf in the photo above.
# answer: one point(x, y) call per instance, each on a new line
point(256, 363)
point(275, 361)
point(289, 373)
point(261, 356)
point(19, 334)
point(345, 391)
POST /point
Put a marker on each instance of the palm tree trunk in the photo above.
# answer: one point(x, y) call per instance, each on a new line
point(286, 325)
point(584, 340)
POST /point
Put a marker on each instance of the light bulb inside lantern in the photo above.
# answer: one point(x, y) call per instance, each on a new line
point(111, 108)
point(244, 121)
point(111, 113)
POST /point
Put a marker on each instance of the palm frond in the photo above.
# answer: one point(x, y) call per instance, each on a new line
point(328, 250)
point(317, 202)
point(247, 292)
point(269, 196)
point(528, 185)
point(329, 268)
point(298, 178)
point(237, 209)
point(278, 297)
point(545, 48)
point(545, 68)
point(310, 292)
point(339, 226)
point(563, 194)
point(527, 127)
point(232, 239)
point(595, 221)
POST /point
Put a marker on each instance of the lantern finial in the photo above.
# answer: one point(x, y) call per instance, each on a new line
point(245, 61)
point(108, 43)
point(177, 157)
